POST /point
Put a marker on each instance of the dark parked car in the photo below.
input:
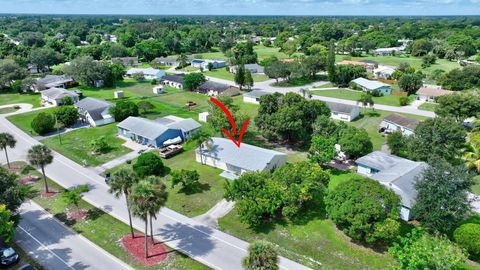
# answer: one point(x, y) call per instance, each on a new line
point(27, 267)
point(107, 178)
point(343, 85)
point(8, 256)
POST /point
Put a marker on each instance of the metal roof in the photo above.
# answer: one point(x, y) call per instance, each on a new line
point(398, 174)
point(370, 85)
point(248, 157)
point(256, 94)
point(143, 127)
point(340, 107)
point(58, 93)
point(401, 121)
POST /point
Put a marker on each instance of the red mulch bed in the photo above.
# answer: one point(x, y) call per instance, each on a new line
point(29, 179)
point(136, 248)
point(77, 215)
point(51, 193)
point(14, 168)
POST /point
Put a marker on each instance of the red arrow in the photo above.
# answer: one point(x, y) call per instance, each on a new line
point(232, 122)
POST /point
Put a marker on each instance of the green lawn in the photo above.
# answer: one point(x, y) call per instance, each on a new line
point(104, 230)
point(7, 110)
point(428, 106)
point(191, 204)
point(415, 62)
point(294, 82)
point(266, 52)
point(356, 95)
point(222, 73)
point(75, 145)
point(371, 120)
point(327, 85)
point(11, 97)
point(476, 187)
point(23, 120)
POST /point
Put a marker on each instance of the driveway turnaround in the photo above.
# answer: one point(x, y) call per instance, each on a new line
point(54, 246)
point(209, 246)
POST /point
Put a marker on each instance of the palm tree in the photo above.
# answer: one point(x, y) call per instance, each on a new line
point(140, 204)
point(182, 59)
point(6, 139)
point(122, 182)
point(40, 155)
point(472, 157)
point(261, 255)
point(366, 100)
point(199, 138)
point(159, 200)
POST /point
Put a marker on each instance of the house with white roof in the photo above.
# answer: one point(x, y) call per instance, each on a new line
point(203, 63)
point(369, 85)
point(95, 112)
point(383, 72)
point(254, 96)
point(344, 112)
point(224, 154)
point(396, 173)
point(148, 73)
point(56, 96)
point(253, 68)
point(158, 132)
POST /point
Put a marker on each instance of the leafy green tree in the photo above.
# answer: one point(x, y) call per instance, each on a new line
point(396, 143)
point(418, 250)
point(193, 80)
point(322, 149)
point(277, 70)
point(355, 142)
point(147, 50)
point(346, 73)
point(99, 145)
point(240, 76)
point(460, 79)
point(7, 140)
point(326, 127)
point(262, 255)
point(289, 47)
point(313, 64)
point(458, 105)
point(87, 71)
point(123, 109)
point(189, 179)
point(248, 81)
point(442, 196)
point(67, 101)
point(182, 60)
point(117, 71)
point(366, 99)
point(9, 72)
point(40, 155)
point(440, 136)
point(145, 105)
point(421, 47)
point(44, 57)
point(149, 164)
point(12, 193)
point(410, 82)
point(244, 53)
point(331, 69)
point(467, 236)
point(74, 196)
point(43, 123)
point(122, 182)
point(66, 115)
point(362, 207)
point(7, 225)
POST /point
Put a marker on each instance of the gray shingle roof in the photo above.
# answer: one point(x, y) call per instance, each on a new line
point(256, 93)
point(370, 85)
point(58, 93)
point(54, 80)
point(340, 107)
point(248, 157)
point(145, 71)
point(402, 121)
point(184, 124)
point(209, 85)
point(178, 78)
point(399, 174)
point(93, 106)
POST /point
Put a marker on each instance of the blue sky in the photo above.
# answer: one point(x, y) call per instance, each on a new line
point(245, 7)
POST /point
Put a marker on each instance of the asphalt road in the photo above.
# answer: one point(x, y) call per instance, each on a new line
point(209, 246)
point(56, 247)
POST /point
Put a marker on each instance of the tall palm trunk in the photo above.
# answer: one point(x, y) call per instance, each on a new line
point(129, 215)
point(45, 179)
point(146, 237)
point(151, 231)
point(6, 156)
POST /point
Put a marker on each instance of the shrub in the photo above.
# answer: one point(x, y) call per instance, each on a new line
point(124, 109)
point(43, 123)
point(67, 101)
point(149, 164)
point(67, 116)
point(99, 145)
point(153, 82)
point(467, 236)
point(187, 178)
point(403, 101)
point(365, 210)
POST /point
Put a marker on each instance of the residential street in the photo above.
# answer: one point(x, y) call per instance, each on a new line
point(54, 246)
point(209, 246)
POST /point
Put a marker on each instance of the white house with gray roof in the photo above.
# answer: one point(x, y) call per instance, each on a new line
point(155, 133)
point(344, 112)
point(253, 68)
point(254, 96)
point(369, 85)
point(56, 96)
point(94, 111)
point(396, 173)
point(224, 154)
point(148, 73)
